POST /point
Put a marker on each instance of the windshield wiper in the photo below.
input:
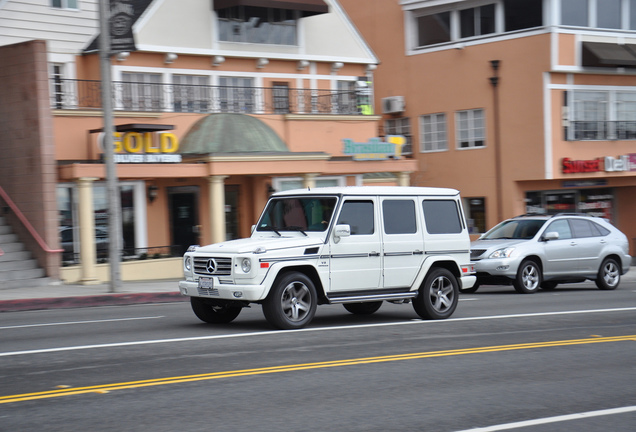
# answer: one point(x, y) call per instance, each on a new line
point(296, 228)
point(271, 228)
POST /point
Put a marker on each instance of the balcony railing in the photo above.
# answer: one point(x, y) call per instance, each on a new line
point(133, 96)
point(603, 130)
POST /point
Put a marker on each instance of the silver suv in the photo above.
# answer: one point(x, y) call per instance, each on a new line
point(540, 251)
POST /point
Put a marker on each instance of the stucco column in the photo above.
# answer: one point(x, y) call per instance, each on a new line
point(404, 178)
point(216, 189)
point(309, 180)
point(87, 231)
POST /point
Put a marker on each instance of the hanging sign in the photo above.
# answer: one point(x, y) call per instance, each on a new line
point(121, 20)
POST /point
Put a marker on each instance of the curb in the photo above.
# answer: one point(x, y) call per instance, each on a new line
point(90, 301)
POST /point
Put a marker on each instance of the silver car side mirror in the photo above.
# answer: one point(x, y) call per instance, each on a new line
point(552, 235)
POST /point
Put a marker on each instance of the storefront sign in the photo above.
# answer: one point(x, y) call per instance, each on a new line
point(607, 164)
point(147, 147)
point(375, 148)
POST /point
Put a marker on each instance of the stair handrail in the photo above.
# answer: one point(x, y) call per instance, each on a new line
point(26, 224)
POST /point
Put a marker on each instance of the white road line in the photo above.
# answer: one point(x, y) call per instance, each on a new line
point(546, 420)
point(78, 322)
point(305, 330)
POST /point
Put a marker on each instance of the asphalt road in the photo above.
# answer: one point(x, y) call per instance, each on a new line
point(555, 361)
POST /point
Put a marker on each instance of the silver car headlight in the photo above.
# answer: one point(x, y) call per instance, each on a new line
point(246, 265)
point(502, 253)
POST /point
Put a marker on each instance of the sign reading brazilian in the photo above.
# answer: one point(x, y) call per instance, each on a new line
point(122, 18)
point(375, 148)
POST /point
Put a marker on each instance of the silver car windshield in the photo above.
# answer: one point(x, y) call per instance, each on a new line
point(297, 214)
point(518, 229)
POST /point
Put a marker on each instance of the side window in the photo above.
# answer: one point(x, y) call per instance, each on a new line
point(441, 217)
point(562, 227)
point(359, 216)
point(399, 216)
point(585, 228)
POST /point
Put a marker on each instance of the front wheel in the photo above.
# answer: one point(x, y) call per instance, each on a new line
point(214, 311)
point(438, 295)
point(363, 308)
point(609, 275)
point(528, 278)
point(291, 303)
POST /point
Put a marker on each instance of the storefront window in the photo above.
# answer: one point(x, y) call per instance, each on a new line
point(69, 220)
point(475, 209)
point(593, 202)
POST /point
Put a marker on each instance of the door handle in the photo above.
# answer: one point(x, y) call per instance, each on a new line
point(374, 254)
point(418, 252)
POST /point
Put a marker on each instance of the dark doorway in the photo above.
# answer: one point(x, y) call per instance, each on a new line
point(184, 217)
point(231, 212)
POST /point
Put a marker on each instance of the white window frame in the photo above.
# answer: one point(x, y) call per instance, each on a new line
point(66, 4)
point(472, 132)
point(438, 133)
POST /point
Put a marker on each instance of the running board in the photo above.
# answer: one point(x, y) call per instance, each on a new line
point(372, 297)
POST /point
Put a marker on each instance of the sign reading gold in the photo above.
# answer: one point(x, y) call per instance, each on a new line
point(137, 147)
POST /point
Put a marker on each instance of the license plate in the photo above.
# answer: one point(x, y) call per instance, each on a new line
point(206, 282)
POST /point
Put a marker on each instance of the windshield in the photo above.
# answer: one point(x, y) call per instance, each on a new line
point(520, 229)
point(297, 214)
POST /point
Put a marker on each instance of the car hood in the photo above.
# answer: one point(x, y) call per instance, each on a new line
point(248, 245)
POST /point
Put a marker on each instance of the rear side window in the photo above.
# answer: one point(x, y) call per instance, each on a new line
point(441, 217)
point(585, 228)
point(399, 216)
point(359, 216)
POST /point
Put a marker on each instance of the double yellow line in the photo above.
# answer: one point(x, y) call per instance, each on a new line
point(106, 388)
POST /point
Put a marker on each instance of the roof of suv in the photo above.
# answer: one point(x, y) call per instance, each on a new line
point(372, 191)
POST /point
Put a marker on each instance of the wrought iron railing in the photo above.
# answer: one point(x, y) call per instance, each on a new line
point(157, 97)
point(603, 130)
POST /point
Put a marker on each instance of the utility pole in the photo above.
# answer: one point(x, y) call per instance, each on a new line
point(112, 187)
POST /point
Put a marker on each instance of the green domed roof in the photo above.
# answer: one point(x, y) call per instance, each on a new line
point(230, 133)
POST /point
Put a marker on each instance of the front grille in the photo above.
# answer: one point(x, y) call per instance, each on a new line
point(215, 266)
point(208, 291)
point(476, 253)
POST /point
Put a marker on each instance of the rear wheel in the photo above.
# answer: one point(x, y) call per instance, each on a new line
point(291, 303)
point(438, 295)
point(609, 275)
point(528, 278)
point(363, 308)
point(214, 311)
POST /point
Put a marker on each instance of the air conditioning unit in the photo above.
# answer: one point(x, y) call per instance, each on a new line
point(393, 104)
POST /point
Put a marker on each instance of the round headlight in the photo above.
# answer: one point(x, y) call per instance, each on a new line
point(188, 263)
point(246, 265)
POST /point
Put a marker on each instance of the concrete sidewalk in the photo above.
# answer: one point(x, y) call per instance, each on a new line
point(57, 295)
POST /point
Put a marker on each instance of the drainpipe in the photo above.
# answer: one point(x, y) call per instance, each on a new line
point(494, 81)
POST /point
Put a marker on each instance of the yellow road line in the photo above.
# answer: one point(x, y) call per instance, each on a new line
point(105, 388)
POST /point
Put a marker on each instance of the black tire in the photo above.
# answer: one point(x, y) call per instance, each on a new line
point(470, 290)
point(609, 275)
point(438, 295)
point(214, 311)
point(291, 303)
point(548, 286)
point(366, 308)
point(528, 278)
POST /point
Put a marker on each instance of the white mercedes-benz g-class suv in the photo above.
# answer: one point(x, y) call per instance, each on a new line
point(358, 246)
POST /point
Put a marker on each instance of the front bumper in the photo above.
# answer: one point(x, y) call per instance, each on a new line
point(250, 293)
point(497, 268)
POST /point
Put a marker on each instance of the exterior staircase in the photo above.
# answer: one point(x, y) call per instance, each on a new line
point(17, 267)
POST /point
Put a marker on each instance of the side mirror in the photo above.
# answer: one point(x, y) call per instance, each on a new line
point(552, 235)
point(340, 231)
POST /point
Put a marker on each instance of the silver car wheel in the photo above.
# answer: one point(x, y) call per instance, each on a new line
point(296, 301)
point(528, 278)
point(609, 275)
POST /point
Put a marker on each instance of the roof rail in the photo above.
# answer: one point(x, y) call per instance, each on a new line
point(530, 215)
point(570, 214)
point(27, 224)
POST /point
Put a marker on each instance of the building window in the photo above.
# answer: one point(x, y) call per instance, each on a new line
point(57, 85)
point(142, 91)
point(433, 133)
point(288, 183)
point(522, 14)
point(470, 128)
point(475, 214)
point(280, 96)
point(236, 95)
point(433, 29)
point(602, 115)
point(574, 13)
point(608, 14)
point(64, 4)
point(345, 101)
point(400, 126)
point(477, 21)
point(257, 25)
point(190, 93)
point(632, 14)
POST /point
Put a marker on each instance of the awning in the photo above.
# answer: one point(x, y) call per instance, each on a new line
point(306, 7)
point(138, 127)
point(608, 55)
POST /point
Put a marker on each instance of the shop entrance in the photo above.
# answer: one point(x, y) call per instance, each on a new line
point(231, 212)
point(184, 217)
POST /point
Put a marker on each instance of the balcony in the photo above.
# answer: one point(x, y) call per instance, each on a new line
point(70, 94)
point(602, 130)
